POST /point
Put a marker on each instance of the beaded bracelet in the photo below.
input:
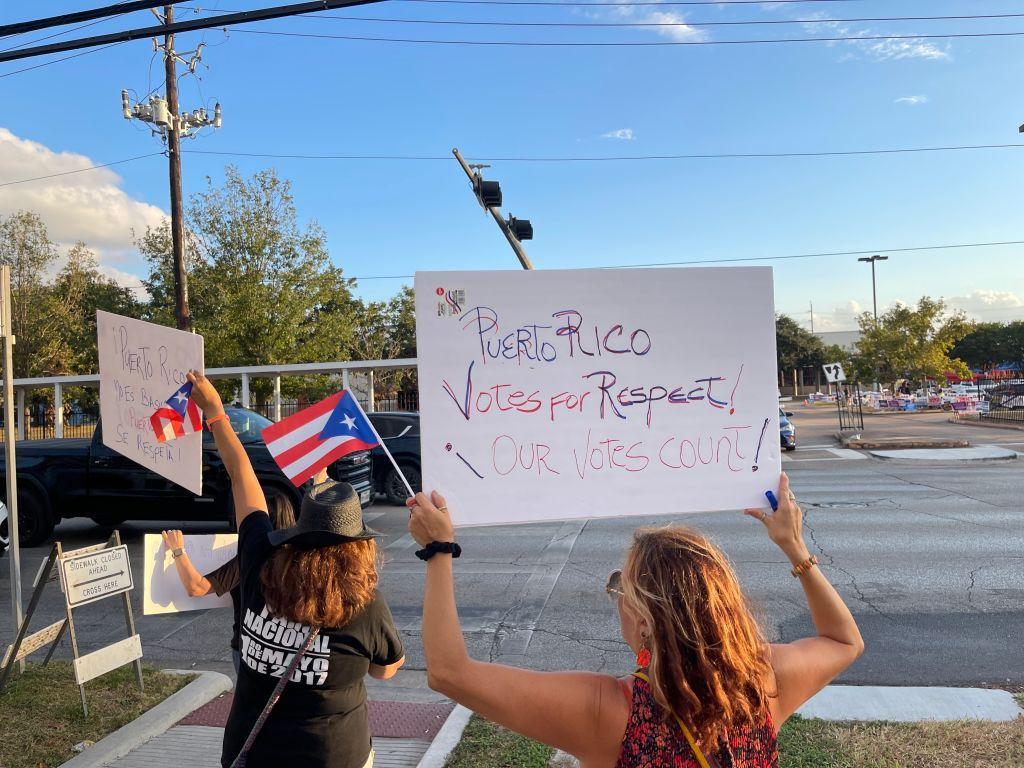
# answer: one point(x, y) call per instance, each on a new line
point(804, 567)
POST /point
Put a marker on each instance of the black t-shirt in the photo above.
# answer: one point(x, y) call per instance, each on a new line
point(227, 578)
point(321, 718)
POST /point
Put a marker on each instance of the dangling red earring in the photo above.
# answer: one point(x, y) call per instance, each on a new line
point(643, 657)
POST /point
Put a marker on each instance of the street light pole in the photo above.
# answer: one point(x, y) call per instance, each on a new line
point(874, 301)
point(874, 292)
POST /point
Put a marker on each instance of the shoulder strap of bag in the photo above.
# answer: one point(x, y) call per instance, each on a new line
point(243, 754)
point(682, 726)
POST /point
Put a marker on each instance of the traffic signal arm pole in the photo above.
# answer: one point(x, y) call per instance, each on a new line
point(502, 224)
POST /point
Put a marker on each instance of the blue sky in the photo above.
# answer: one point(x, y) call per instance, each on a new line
point(316, 96)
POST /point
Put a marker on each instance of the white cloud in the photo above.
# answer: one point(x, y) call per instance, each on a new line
point(989, 306)
point(679, 29)
point(622, 134)
point(90, 206)
point(912, 101)
point(666, 23)
point(838, 318)
point(876, 50)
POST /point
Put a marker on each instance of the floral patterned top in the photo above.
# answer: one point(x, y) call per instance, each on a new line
point(653, 740)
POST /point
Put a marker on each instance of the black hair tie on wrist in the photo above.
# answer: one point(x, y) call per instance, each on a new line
point(447, 547)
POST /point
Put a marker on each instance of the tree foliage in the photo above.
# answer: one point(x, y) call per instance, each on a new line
point(912, 343)
point(796, 346)
point(992, 344)
point(262, 289)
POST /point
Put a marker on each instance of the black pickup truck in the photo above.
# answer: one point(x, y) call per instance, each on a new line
point(60, 479)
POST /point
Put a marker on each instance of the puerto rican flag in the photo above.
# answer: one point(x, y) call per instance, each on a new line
point(178, 417)
point(316, 437)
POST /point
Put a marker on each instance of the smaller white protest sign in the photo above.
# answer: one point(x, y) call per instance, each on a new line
point(141, 366)
point(163, 591)
point(834, 373)
point(95, 575)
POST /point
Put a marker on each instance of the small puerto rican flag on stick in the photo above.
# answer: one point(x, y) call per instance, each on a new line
point(178, 417)
point(316, 437)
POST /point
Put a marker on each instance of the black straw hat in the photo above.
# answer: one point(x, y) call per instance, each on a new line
point(330, 514)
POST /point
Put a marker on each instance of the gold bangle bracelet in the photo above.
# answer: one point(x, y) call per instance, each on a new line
point(804, 567)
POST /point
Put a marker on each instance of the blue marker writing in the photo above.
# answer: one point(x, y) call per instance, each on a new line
point(772, 500)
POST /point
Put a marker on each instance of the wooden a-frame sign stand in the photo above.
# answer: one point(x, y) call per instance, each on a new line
point(87, 590)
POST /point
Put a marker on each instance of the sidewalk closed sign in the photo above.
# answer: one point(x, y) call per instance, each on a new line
point(557, 394)
point(94, 575)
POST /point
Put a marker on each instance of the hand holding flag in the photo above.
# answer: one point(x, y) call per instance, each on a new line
point(312, 439)
point(177, 417)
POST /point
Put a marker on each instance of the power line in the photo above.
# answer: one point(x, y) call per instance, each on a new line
point(117, 9)
point(27, 43)
point(630, 44)
point(611, 158)
point(600, 24)
point(58, 61)
point(80, 170)
point(523, 159)
point(767, 258)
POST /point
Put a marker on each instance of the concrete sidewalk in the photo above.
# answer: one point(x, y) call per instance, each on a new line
point(402, 732)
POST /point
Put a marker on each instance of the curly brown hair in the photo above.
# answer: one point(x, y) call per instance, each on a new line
point(709, 658)
point(323, 587)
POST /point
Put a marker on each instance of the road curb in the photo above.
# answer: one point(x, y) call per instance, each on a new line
point(155, 721)
point(956, 455)
point(447, 738)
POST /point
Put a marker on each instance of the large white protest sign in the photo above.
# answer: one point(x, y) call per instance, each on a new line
point(163, 592)
point(141, 365)
point(556, 394)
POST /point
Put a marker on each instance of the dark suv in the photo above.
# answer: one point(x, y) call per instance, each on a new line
point(400, 431)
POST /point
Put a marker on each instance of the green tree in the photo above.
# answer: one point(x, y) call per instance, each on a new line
point(990, 344)
point(25, 245)
point(386, 330)
point(262, 289)
point(912, 343)
point(796, 346)
point(78, 290)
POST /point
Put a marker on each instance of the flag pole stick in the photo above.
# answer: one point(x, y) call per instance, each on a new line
point(384, 447)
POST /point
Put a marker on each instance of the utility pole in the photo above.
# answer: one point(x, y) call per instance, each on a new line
point(181, 313)
point(488, 194)
point(173, 126)
point(812, 317)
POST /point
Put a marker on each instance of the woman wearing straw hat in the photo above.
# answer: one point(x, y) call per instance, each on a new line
point(312, 622)
point(709, 690)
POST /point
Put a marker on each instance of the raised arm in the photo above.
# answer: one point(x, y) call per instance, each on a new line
point(195, 584)
point(245, 488)
point(804, 667)
point(581, 713)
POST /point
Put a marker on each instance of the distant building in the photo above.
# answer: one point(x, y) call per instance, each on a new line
point(847, 340)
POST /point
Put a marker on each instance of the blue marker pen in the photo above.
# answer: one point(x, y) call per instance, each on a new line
point(772, 500)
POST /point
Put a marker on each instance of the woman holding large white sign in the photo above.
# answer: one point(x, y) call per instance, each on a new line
point(709, 689)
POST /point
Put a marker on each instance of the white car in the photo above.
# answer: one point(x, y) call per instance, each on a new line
point(5, 536)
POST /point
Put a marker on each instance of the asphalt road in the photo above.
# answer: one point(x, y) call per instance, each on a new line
point(929, 556)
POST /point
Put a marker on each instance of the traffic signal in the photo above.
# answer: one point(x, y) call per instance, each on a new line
point(521, 228)
point(487, 192)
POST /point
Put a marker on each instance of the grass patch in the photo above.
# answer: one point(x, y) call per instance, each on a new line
point(804, 744)
point(486, 745)
point(41, 711)
point(966, 744)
